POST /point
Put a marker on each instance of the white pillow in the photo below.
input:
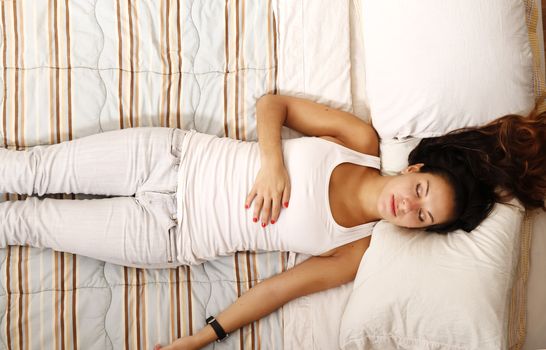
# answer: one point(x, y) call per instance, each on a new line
point(434, 66)
point(417, 290)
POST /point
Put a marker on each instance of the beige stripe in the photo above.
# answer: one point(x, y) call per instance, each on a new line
point(136, 65)
point(169, 63)
point(179, 34)
point(120, 63)
point(268, 22)
point(163, 118)
point(248, 259)
point(28, 324)
point(256, 280)
point(190, 304)
point(16, 75)
point(125, 310)
point(62, 275)
point(55, 323)
point(226, 72)
point(5, 74)
point(172, 306)
point(74, 302)
point(237, 43)
point(178, 309)
point(239, 293)
point(137, 318)
point(144, 306)
point(68, 70)
point(184, 303)
point(8, 292)
point(57, 74)
point(51, 71)
point(275, 55)
point(131, 60)
point(243, 80)
point(18, 278)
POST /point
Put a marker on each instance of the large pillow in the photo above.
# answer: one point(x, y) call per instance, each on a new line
point(417, 290)
point(434, 66)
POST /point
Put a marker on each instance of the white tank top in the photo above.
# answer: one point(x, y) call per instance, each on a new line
point(215, 177)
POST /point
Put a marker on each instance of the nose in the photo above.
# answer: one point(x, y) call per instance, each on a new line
point(407, 205)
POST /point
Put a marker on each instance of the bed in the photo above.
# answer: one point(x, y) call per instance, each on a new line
point(76, 68)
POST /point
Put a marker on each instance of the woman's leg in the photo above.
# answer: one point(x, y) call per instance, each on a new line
point(120, 163)
point(134, 231)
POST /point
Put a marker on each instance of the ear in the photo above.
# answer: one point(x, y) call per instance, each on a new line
point(414, 168)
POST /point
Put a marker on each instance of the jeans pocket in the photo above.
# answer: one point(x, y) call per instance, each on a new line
point(171, 249)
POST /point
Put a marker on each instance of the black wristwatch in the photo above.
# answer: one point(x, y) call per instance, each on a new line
point(220, 333)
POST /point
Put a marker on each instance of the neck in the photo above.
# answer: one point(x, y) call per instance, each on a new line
point(369, 189)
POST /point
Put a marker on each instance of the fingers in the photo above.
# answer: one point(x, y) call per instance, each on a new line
point(286, 196)
point(258, 202)
point(266, 211)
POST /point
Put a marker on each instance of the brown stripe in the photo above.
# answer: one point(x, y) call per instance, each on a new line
point(61, 278)
point(126, 308)
point(190, 305)
point(57, 82)
point(131, 76)
point(137, 308)
point(27, 298)
point(169, 64)
point(178, 306)
point(16, 73)
point(236, 113)
point(74, 303)
point(178, 31)
point(120, 63)
point(8, 290)
point(4, 58)
point(226, 29)
point(69, 69)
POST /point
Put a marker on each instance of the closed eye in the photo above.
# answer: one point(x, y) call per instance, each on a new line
point(417, 188)
point(421, 216)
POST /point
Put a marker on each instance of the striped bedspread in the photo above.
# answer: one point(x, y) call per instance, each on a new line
point(74, 68)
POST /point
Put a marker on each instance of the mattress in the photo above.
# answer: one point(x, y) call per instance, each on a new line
point(76, 68)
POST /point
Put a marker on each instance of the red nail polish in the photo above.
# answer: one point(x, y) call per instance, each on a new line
point(264, 224)
point(286, 204)
point(246, 206)
point(272, 221)
point(255, 219)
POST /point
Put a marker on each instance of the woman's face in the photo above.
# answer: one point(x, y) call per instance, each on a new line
point(416, 200)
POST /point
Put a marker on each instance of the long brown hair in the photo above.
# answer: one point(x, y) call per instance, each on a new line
point(503, 159)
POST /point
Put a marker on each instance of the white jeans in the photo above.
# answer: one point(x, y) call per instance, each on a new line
point(136, 226)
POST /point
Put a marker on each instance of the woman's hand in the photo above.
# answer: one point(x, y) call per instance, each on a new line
point(185, 343)
point(270, 192)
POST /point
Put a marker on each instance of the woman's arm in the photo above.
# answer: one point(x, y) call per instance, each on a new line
point(272, 186)
point(313, 275)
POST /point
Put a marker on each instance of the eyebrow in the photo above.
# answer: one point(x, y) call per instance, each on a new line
point(426, 193)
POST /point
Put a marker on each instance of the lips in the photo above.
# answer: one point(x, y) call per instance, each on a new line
point(393, 206)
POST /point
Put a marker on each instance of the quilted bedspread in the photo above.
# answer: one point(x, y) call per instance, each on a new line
point(74, 68)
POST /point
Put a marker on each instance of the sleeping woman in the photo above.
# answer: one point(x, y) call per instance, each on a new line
point(179, 197)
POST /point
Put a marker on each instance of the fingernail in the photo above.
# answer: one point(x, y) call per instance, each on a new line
point(264, 224)
point(255, 219)
point(246, 206)
point(272, 221)
point(286, 204)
